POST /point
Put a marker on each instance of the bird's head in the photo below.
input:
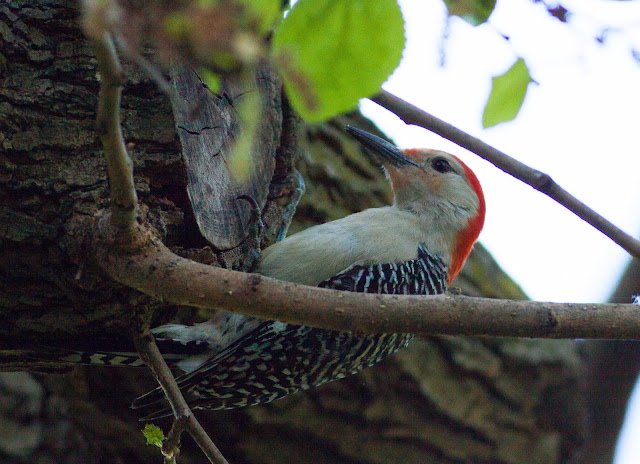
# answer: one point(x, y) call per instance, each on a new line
point(436, 186)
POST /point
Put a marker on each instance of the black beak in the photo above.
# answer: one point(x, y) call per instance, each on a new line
point(381, 147)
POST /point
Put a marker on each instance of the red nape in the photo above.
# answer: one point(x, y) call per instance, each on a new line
point(467, 237)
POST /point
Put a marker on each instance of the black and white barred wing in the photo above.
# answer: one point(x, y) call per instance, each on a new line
point(425, 275)
point(277, 359)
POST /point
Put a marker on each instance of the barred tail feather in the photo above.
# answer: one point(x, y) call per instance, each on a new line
point(97, 358)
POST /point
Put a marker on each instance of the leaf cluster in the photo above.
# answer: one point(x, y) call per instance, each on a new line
point(329, 53)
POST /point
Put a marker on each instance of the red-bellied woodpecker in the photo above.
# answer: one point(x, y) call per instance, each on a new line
point(416, 246)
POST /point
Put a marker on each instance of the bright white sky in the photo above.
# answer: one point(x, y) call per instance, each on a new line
point(581, 125)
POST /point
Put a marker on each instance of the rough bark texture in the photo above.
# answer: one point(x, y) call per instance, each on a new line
point(442, 400)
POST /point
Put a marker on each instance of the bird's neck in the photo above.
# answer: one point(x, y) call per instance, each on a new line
point(424, 229)
point(445, 232)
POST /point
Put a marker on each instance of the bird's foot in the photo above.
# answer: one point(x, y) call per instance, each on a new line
point(255, 234)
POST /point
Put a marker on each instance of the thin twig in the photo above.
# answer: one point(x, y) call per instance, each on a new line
point(171, 445)
point(184, 418)
point(148, 67)
point(540, 181)
point(123, 193)
point(164, 275)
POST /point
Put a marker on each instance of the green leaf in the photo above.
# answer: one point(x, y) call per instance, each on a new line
point(474, 12)
point(153, 434)
point(331, 53)
point(507, 94)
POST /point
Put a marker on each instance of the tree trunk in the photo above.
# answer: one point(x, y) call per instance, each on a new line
point(442, 400)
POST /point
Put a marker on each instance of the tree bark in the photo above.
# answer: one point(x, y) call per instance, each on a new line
point(442, 400)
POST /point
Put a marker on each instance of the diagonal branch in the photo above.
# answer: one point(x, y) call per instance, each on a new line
point(158, 272)
point(540, 181)
point(184, 418)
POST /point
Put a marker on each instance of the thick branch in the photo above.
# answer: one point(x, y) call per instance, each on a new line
point(123, 193)
point(160, 273)
point(184, 418)
point(540, 181)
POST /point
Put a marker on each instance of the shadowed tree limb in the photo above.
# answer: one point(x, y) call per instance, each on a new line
point(540, 181)
point(158, 272)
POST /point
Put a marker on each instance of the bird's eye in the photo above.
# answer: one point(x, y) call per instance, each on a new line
point(441, 165)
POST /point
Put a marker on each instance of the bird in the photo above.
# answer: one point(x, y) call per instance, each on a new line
point(416, 246)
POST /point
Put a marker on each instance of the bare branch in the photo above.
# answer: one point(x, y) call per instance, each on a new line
point(184, 418)
point(540, 181)
point(123, 193)
point(162, 274)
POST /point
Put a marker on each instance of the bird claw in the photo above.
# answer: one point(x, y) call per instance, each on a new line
point(296, 182)
point(254, 235)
